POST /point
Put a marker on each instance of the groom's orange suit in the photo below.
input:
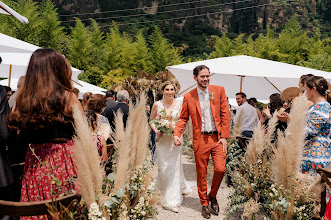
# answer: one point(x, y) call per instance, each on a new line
point(204, 145)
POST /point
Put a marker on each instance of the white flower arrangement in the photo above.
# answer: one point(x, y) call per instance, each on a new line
point(94, 212)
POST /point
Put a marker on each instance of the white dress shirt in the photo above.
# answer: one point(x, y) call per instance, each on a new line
point(249, 117)
point(201, 94)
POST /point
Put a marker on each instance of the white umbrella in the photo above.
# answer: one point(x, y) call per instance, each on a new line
point(83, 87)
point(87, 87)
point(14, 65)
point(12, 45)
point(5, 9)
point(256, 77)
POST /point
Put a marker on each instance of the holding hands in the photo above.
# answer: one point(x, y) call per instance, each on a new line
point(177, 140)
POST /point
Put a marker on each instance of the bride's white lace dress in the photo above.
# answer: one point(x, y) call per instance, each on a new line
point(170, 179)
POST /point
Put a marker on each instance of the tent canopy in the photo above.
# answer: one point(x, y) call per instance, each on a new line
point(85, 87)
point(5, 9)
point(12, 45)
point(20, 62)
point(256, 77)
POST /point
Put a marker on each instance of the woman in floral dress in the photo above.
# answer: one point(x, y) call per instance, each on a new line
point(317, 152)
point(43, 117)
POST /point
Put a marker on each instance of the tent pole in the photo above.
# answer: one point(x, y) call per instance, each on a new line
point(10, 68)
point(241, 83)
point(272, 84)
point(76, 82)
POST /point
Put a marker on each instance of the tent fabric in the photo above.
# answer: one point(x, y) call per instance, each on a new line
point(260, 76)
point(20, 62)
point(12, 45)
point(86, 87)
point(5, 9)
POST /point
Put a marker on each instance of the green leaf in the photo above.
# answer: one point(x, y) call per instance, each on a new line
point(120, 193)
point(111, 176)
point(58, 182)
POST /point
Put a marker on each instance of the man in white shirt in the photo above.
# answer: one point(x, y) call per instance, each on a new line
point(249, 118)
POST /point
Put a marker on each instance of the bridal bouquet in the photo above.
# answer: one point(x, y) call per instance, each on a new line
point(165, 123)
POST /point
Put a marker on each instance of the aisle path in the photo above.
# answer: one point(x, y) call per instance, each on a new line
point(191, 208)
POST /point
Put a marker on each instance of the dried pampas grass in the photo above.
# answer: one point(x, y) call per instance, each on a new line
point(131, 142)
point(287, 156)
point(86, 158)
point(237, 126)
point(256, 145)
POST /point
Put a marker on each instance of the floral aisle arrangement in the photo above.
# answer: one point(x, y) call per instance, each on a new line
point(268, 177)
point(126, 193)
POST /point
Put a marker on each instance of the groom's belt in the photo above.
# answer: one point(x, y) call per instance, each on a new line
point(208, 132)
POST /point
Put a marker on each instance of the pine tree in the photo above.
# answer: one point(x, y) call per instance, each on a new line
point(80, 47)
point(52, 33)
point(142, 57)
point(163, 54)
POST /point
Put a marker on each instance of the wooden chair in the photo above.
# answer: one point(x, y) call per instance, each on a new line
point(325, 174)
point(110, 151)
point(37, 208)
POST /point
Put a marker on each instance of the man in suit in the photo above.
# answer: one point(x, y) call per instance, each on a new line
point(110, 96)
point(208, 107)
point(122, 105)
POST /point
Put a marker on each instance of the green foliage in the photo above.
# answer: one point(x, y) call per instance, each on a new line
point(80, 47)
point(142, 60)
point(51, 35)
point(293, 46)
point(163, 54)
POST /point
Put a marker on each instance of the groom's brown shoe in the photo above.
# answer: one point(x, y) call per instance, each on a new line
point(205, 212)
point(214, 205)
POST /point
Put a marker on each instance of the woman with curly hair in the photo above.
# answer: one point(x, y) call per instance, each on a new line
point(43, 117)
point(97, 103)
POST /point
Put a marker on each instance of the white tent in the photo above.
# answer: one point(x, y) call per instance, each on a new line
point(18, 62)
point(12, 45)
point(5, 9)
point(256, 77)
point(85, 87)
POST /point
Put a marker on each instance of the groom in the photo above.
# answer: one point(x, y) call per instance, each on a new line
point(208, 107)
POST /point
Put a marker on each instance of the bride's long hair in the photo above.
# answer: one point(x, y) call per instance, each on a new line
point(165, 84)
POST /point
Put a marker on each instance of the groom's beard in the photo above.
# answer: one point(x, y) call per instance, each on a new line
point(203, 83)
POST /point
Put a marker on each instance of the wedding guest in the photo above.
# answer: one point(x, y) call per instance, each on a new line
point(253, 102)
point(317, 150)
point(249, 119)
point(12, 99)
point(8, 92)
point(110, 95)
point(6, 176)
point(97, 103)
point(123, 100)
point(101, 141)
point(43, 117)
point(85, 99)
point(75, 91)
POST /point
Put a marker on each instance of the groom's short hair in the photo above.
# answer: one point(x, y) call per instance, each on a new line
point(197, 69)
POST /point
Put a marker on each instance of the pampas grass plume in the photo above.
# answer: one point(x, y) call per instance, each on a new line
point(255, 145)
point(86, 158)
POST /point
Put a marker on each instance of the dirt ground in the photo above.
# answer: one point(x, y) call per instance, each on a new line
point(191, 208)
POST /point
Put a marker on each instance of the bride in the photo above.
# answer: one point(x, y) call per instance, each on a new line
point(170, 179)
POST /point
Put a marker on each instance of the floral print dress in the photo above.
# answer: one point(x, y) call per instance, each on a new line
point(317, 152)
point(49, 172)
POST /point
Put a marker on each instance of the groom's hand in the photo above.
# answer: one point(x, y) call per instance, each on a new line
point(224, 143)
point(177, 140)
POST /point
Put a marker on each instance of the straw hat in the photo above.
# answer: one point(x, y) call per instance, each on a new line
point(290, 93)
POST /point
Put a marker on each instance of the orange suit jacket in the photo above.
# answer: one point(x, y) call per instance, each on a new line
point(191, 107)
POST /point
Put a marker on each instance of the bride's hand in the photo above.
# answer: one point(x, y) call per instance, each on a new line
point(159, 134)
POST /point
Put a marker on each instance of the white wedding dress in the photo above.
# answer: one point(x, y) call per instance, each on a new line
point(170, 179)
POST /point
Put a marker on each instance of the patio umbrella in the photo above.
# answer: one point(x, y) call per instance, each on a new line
point(5, 9)
point(256, 77)
point(12, 45)
point(15, 65)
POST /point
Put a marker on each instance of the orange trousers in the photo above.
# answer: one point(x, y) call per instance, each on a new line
point(206, 146)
